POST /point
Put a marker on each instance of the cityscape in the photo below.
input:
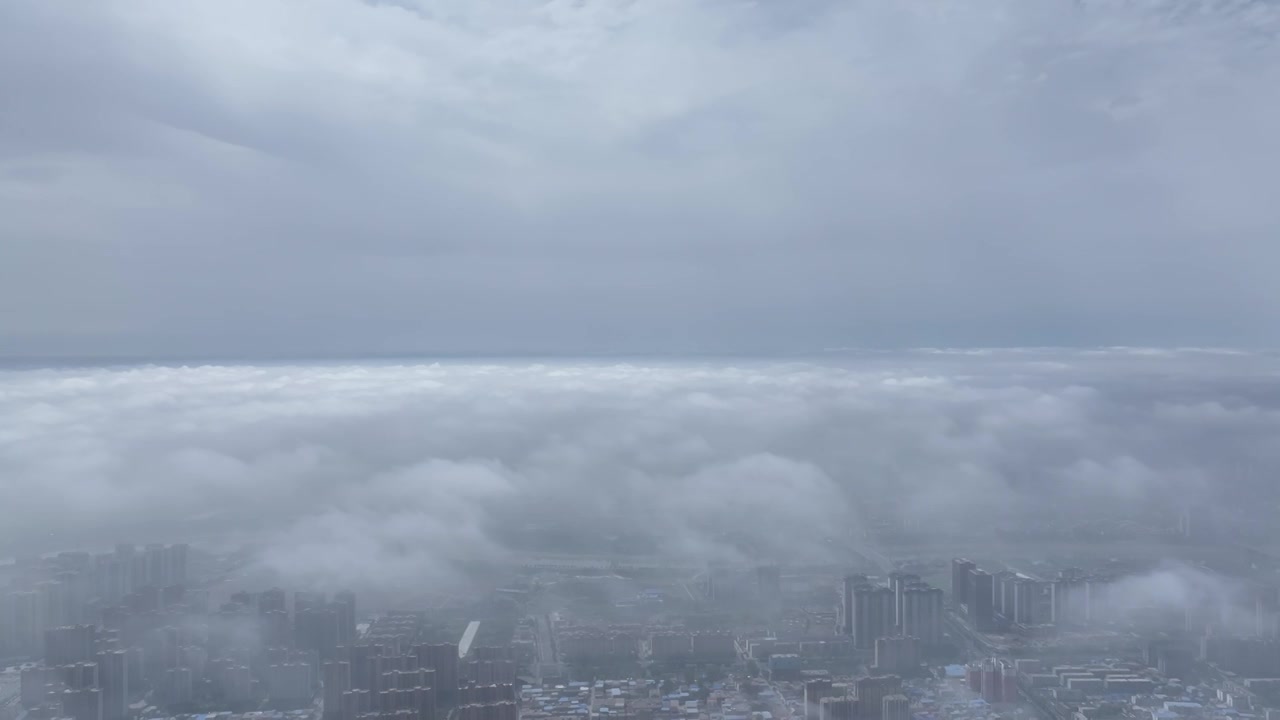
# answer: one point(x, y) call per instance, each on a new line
point(170, 631)
point(639, 360)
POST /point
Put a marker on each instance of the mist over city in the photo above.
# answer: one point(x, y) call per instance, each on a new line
point(639, 360)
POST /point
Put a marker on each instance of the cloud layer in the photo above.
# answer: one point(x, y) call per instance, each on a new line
point(265, 177)
point(375, 473)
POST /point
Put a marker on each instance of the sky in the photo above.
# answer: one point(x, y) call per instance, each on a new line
point(373, 475)
point(286, 179)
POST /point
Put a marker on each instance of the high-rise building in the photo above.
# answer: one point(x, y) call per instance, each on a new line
point(960, 569)
point(769, 583)
point(337, 682)
point(1069, 602)
point(496, 711)
point(79, 675)
point(175, 565)
point(234, 683)
point(486, 694)
point(842, 708)
point(179, 686)
point(981, 604)
point(486, 672)
point(992, 681)
point(26, 623)
point(898, 583)
point(1033, 602)
point(113, 678)
point(70, 644)
point(34, 682)
point(1003, 581)
point(356, 703)
point(443, 658)
point(155, 568)
point(1098, 609)
point(872, 615)
point(82, 703)
point(815, 691)
point(847, 588)
point(897, 654)
point(289, 683)
point(345, 605)
point(276, 630)
point(360, 658)
point(273, 600)
point(54, 603)
point(409, 679)
point(896, 707)
point(922, 614)
point(871, 692)
point(316, 629)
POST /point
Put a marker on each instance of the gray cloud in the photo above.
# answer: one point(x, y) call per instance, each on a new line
point(259, 178)
point(371, 473)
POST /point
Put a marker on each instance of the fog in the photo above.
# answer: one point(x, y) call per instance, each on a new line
point(375, 475)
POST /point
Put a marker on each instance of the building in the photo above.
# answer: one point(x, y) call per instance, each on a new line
point(992, 682)
point(34, 682)
point(713, 647)
point(670, 646)
point(273, 600)
point(815, 691)
point(113, 679)
point(960, 569)
point(486, 694)
point(316, 628)
point(838, 709)
point(24, 622)
point(179, 687)
point(70, 644)
point(847, 589)
point(1098, 607)
point(922, 614)
point(487, 672)
point(443, 658)
point(1033, 602)
point(769, 583)
point(897, 654)
point(175, 565)
point(337, 682)
point(872, 615)
point(1069, 602)
point(356, 703)
point(290, 683)
point(896, 707)
point(898, 583)
point(82, 704)
point(344, 603)
point(981, 606)
point(497, 711)
point(233, 684)
point(419, 702)
point(871, 692)
point(1004, 595)
point(79, 675)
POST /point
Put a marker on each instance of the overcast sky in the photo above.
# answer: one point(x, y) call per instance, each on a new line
point(252, 178)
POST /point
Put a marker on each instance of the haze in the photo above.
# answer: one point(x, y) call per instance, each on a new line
point(639, 359)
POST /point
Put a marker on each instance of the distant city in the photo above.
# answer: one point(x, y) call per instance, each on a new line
point(168, 631)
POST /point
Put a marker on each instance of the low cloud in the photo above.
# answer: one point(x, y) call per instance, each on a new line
point(381, 474)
